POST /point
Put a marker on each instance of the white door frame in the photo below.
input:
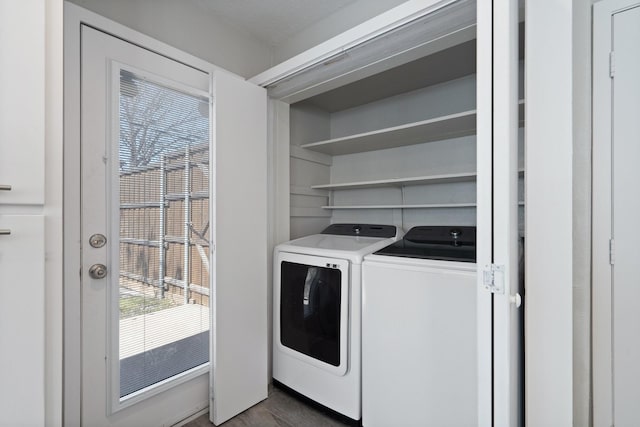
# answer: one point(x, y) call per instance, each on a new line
point(74, 17)
point(602, 214)
point(507, 305)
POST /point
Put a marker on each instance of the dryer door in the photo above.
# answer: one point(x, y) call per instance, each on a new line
point(311, 298)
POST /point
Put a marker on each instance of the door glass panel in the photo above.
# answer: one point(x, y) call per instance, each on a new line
point(164, 229)
point(310, 310)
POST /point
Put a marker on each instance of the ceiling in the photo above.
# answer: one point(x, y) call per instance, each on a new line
point(273, 21)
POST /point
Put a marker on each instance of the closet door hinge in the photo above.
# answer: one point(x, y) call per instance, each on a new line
point(612, 251)
point(493, 278)
point(612, 64)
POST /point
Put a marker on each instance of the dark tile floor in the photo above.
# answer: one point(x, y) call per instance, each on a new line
point(279, 410)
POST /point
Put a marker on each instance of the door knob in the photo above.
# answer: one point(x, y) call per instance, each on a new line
point(98, 271)
point(97, 240)
point(516, 300)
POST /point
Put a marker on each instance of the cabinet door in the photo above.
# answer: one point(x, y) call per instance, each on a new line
point(22, 320)
point(22, 75)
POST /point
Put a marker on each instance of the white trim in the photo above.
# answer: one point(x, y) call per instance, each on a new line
point(72, 389)
point(394, 18)
point(118, 404)
point(278, 205)
point(601, 223)
point(507, 380)
point(54, 262)
point(113, 234)
point(192, 417)
point(484, 198)
point(112, 231)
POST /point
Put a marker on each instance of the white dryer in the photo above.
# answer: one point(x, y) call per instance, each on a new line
point(317, 313)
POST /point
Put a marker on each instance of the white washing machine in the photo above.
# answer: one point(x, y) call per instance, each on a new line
point(317, 313)
point(419, 333)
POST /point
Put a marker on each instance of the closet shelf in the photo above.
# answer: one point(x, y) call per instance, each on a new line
point(451, 126)
point(399, 182)
point(421, 206)
point(435, 129)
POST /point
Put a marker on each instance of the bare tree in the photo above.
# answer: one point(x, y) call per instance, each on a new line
point(155, 119)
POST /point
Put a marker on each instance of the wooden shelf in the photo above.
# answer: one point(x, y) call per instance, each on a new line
point(400, 182)
point(421, 206)
point(435, 129)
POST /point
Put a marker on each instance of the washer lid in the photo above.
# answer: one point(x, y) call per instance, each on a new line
point(337, 243)
point(448, 243)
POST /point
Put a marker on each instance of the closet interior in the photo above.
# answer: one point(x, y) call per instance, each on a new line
point(397, 147)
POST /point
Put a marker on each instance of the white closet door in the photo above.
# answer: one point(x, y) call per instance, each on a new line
point(626, 205)
point(499, 312)
point(239, 344)
point(484, 237)
point(616, 149)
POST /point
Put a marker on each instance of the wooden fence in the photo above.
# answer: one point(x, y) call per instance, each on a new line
point(165, 227)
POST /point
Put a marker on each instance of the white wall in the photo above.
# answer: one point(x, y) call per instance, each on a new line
point(187, 25)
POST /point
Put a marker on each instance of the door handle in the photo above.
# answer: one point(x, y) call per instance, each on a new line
point(5, 232)
point(5, 188)
point(98, 271)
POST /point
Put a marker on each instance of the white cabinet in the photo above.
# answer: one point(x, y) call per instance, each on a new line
point(22, 79)
point(22, 320)
point(22, 286)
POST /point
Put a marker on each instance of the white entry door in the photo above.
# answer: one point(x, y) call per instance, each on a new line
point(616, 206)
point(173, 233)
point(145, 228)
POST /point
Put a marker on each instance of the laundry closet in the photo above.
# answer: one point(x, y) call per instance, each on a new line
point(401, 131)
point(395, 147)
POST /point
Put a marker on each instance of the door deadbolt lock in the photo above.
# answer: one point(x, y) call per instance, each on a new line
point(98, 271)
point(97, 240)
